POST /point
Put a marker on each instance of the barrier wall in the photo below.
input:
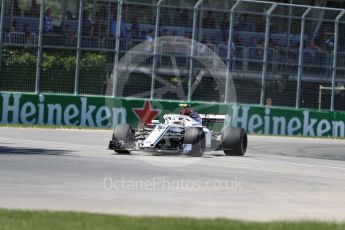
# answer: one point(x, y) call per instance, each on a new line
point(106, 112)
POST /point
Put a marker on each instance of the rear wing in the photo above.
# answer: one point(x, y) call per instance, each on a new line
point(215, 120)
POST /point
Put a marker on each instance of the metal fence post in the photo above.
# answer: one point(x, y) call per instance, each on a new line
point(154, 63)
point(301, 59)
point(266, 46)
point(117, 45)
point(80, 32)
point(39, 49)
point(335, 56)
point(229, 54)
point(2, 17)
point(195, 17)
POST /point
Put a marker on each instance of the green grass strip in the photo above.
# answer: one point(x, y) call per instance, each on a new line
point(37, 220)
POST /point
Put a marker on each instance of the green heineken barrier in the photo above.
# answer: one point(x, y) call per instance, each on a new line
point(107, 112)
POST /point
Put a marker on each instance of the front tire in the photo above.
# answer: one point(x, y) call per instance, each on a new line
point(195, 137)
point(123, 133)
point(234, 142)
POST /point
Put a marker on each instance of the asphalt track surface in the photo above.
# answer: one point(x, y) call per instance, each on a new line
point(278, 179)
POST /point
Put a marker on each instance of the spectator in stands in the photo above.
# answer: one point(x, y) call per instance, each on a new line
point(213, 40)
point(242, 23)
point(99, 29)
point(203, 40)
point(223, 45)
point(149, 40)
point(48, 22)
point(135, 29)
point(239, 40)
point(87, 24)
point(183, 18)
point(329, 43)
point(328, 46)
point(224, 25)
point(173, 42)
point(274, 43)
point(69, 15)
point(188, 35)
point(103, 10)
point(311, 50)
point(312, 47)
point(260, 47)
point(253, 44)
point(165, 32)
point(143, 35)
point(113, 9)
point(166, 18)
point(187, 42)
point(327, 37)
point(16, 9)
point(34, 10)
point(209, 21)
point(70, 34)
point(128, 36)
point(149, 36)
point(114, 25)
point(206, 41)
point(268, 102)
point(223, 50)
point(14, 27)
point(29, 38)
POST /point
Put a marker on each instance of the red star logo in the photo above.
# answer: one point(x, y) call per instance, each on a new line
point(146, 114)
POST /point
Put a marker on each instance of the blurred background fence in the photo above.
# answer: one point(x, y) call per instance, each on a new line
point(277, 52)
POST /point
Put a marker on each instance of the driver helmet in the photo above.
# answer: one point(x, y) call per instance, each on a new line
point(185, 112)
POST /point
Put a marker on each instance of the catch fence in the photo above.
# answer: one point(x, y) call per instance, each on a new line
point(274, 52)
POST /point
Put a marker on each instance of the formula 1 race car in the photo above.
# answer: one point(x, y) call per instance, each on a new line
point(180, 134)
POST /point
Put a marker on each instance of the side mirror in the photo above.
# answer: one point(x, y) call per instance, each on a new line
point(155, 122)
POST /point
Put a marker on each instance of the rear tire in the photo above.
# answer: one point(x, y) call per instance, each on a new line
point(195, 137)
point(234, 142)
point(125, 133)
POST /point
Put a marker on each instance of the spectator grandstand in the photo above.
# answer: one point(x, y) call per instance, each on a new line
point(299, 43)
